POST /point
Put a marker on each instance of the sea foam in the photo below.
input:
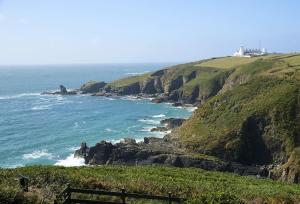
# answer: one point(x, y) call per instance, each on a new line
point(38, 154)
point(7, 97)
point(149, 121)
point(159, 116)
point(70, 161)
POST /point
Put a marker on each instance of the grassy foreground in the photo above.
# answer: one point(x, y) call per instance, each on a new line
point(199, 186)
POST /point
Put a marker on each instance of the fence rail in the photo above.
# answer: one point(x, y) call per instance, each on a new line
point(65, 196)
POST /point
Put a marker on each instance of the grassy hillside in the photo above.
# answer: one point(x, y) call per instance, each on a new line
point(227, 62)
point(197, 185)
point(218, 126)
point(250, 115)
point(255, 119)
point(204, 79)
point(129, 80)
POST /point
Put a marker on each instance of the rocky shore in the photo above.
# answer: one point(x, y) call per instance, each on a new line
point(101, 88)
point(153, 151)
point(159, 151)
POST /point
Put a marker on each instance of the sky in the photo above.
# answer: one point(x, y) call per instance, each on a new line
point(142, 31)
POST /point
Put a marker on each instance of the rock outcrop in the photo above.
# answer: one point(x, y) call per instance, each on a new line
point(131, 89)
point(92, 87)
point(171, 123)
point(156, 151)
point(62, 91)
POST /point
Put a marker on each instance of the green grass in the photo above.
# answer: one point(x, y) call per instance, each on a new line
point(216, 125)
point(208, 81)
point(195, 184)
point(227, 62)
point(129, 80)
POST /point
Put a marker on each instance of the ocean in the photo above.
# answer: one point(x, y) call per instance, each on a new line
point(44, 129)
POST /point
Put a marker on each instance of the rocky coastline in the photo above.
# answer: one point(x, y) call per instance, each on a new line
point(153, 151)
point(160, 151)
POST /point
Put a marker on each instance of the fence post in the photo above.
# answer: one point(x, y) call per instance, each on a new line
point(123, 197)
point(24, 183)
point(170, 197)
point(68, 194)
point(56, 200)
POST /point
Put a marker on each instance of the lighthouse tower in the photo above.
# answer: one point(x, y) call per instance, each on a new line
point(241, 51)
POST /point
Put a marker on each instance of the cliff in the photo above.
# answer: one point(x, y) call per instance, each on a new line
point(248, 107)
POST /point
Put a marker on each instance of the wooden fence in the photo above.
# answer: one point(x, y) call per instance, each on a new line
point(65, 196)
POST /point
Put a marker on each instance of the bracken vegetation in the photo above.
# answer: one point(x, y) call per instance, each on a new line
point(198, 186)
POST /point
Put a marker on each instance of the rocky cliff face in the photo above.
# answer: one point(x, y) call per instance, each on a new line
point(172, 86)
point(92, 87)
point(157, 151)
point(247, 114)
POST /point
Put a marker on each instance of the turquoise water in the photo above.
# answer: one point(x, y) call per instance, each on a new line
point(42, 129)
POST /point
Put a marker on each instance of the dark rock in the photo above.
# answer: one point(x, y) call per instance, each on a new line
point(193, 97)
point(159, 129)
point(175, 96)
point(63, 90)
point(160, 99)
point(172, 122)
point(157, 151)
point(174, 84)
point(158, 85)
point(102, 94)
point(174, 160)
point(159, 73)
point(148, 86)
point(152, 86)
point(100, 153)
point(131, 89)
point(177, 104)
point(92, 87)
point(129, 141)
point(83, 151)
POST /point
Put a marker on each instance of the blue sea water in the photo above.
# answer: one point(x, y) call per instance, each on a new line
point(44, 129)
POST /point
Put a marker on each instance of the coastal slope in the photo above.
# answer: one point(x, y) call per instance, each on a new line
point(248, 108)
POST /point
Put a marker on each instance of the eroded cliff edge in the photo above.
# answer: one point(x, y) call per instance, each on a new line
point(248, 112)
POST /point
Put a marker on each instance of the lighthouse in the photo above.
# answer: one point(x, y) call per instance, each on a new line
point(242, 51)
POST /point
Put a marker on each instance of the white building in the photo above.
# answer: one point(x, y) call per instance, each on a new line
point(242, 52)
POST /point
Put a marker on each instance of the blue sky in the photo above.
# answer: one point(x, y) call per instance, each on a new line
point(133, 31)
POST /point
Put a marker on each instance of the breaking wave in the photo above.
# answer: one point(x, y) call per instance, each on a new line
point(71, 160)
point(159, 116)
point(149, 121)
point(18, 96)
point(38, 154)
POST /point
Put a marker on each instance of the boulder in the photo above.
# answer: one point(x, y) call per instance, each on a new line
point(100, 153)
point(159, 129)
point(171, 123)
point(129, 141)
point(82, 151)
point(63, 90)
point(92, 87)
